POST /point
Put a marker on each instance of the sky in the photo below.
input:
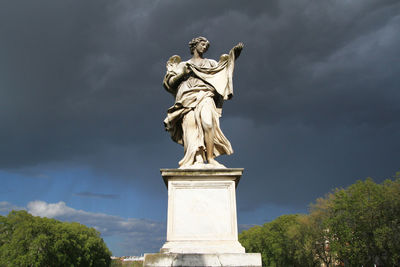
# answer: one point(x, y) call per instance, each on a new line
point(315, 106)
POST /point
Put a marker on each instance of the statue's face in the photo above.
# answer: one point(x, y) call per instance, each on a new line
point(201, 47)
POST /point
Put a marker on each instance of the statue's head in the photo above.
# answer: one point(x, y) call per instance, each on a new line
point(195, 41)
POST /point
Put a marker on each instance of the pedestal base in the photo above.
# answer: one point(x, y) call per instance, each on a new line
point(202, 211)
point(203, 246)
point(202, 224)
point(202, 260)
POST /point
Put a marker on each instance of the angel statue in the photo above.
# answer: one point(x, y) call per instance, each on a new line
point(200, 86)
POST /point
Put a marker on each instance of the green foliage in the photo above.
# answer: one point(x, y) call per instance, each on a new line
point(281, 242)
point(364, 222)
point(26, 240)
point(356, 226)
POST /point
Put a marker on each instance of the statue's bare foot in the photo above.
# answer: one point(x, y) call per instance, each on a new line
point(199, 159)
point(195, 165)
point(215, 163)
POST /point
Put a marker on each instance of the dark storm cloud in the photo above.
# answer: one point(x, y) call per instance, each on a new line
point(316, 88)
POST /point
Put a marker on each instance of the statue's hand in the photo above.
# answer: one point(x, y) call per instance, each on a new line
point(239, 46)
point(238, 49)
point(186, 71)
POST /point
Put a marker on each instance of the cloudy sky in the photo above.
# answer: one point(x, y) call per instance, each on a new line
point(316, 105)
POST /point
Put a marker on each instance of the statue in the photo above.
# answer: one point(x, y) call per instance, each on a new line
point(200, 86)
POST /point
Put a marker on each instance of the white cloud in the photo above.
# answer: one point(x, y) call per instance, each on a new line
point(130, 236)
point(42, 209)
point(6, 207)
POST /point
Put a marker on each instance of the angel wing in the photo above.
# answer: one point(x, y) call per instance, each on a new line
point(173, 62)
point(171, 65)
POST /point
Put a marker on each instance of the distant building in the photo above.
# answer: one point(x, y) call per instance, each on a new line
point(133, 258)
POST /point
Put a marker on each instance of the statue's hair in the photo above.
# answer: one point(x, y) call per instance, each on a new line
point(195, 41)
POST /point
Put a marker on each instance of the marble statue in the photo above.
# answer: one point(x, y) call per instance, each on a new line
point(200, 86)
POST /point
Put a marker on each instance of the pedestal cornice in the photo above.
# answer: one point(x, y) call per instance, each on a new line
point(202, 174)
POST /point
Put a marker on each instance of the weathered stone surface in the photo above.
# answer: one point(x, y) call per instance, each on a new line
point(211, 260)
point(202, 224)
point(230, 174)
point(202, 211)
point(200, 86)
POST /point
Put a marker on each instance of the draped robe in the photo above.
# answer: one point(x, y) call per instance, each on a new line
point(206, 88)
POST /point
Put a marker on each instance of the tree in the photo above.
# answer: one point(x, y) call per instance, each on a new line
point(310, 240)
point(254, 241)
point(321, 236)
point(363, 223)
point(282, 242)
point(356, 226)
point(26, 240)
point(387, 234)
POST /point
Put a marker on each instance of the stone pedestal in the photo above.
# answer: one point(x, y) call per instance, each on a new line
point(202, 260)
point(202, 223)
